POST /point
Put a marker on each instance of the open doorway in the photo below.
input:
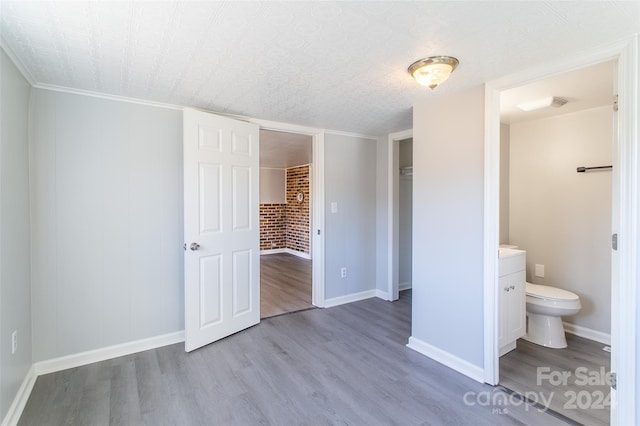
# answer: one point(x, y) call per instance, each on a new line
point(556, 154)
point(405, 214)
point(399, 167)
point(285, 222)
point(625, 195)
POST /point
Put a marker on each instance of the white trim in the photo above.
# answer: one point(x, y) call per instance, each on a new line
point(286, 250)
point(624, 342)
point(491, 233)
point(349, 298)
point(17, 62)
point(393, 228)
point(299, 165)
point(382, 295)
point(317, 201)
point(353, 135)
point(507, 348)
point(298, 253)
point(587, 333)
point(625, 274)
point(448, 360)
point(90, 93)
point(404, 286)
point(284, 127)
point(109, 352)
point(272, 251)
point(273, 168)
point(80, 359)
point(317, 220)
point(17, 406)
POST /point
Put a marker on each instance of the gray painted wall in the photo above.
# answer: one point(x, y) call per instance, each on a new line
point(448, 158)
point(107, 239)
point(563, 218)
point(350, 237)
point(405, 215)
point(15, 293)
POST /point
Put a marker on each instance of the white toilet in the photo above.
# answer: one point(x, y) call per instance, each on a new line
point(545, 308)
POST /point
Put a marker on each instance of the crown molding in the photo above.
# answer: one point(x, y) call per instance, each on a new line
point(17, 62)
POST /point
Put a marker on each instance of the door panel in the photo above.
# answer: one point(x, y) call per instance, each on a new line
point(241, 282)
point(222, 275)
point(210, 290)
point(241, 198)
point(210, 202)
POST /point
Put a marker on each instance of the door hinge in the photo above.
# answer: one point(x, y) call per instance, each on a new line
point(318, 232)
point(613, 380)
point(615, 103)
point(614, 242)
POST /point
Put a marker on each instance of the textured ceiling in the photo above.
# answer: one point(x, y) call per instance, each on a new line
point(334, 65)
point(281, 150)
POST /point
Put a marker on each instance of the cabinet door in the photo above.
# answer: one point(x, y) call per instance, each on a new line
point(503, 304)
point(516, 309)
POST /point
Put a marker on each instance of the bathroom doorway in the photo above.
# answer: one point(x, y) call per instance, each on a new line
point(286, 283)
point(561, 218)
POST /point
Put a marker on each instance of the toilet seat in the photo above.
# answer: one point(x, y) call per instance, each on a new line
point(549, 293)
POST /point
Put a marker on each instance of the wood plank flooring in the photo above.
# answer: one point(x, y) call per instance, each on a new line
point(576, 399)
point(346, 365)
point(285, 284)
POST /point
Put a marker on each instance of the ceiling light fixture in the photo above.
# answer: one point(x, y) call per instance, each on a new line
point(433, 71)
point(552, 101)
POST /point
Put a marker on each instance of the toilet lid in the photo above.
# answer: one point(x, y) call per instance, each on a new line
point(546, 292)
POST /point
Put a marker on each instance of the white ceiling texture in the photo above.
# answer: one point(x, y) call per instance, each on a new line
point(333, 65)
point(281, 150)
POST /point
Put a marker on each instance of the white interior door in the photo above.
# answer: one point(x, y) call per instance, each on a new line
point(221, 227)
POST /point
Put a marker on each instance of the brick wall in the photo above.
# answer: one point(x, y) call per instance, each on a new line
point(273, 226)
point(298, 213)
point(287, 225)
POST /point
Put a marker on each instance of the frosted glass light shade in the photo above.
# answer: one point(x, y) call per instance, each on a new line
point(432, 71)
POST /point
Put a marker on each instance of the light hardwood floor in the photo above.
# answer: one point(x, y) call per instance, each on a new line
point(344, 365)
point(576, 399)
point(285, 284)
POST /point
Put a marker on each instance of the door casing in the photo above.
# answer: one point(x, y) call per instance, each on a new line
point(625, 216)
point(317, 201)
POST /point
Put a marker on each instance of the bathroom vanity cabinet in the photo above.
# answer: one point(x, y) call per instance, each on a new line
point(511, 298)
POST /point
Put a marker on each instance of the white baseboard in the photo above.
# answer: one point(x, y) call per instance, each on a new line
point(102, 354)
point(79, 359)
point(272, 251)
point(298, 253)
point(404, 286)
point(15, 410)
point(445, 358)
point(286, 250)
point(587, 333)
point(341, 300)
point(384, 295)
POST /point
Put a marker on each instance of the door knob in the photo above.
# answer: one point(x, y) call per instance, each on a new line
point(194, 246)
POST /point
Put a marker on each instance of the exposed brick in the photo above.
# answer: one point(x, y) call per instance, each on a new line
point(287, 225)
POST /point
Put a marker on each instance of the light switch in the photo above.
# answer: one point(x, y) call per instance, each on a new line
point(539, 271)
point(334, 207)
